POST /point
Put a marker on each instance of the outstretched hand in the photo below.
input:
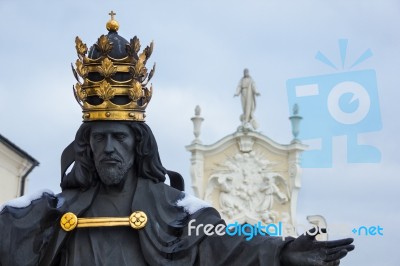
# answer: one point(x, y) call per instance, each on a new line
point(307, 251)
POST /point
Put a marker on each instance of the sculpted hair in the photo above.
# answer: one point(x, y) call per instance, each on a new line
point(147, 162)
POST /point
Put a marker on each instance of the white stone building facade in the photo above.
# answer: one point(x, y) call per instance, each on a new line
point(15, 166)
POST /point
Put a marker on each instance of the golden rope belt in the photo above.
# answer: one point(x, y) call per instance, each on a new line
point(69, 221)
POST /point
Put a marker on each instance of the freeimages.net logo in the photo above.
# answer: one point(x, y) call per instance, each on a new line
point(339, 104)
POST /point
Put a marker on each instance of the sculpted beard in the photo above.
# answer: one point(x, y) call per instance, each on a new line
point(112, 174)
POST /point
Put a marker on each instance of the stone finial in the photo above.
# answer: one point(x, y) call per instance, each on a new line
point(197, 120)
point(295, 121)
point(295, 109)
point(197, 110)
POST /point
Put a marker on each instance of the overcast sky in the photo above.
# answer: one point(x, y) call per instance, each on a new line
point(201, 49)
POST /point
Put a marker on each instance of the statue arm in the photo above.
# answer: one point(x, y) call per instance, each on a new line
point(272, 251)
point(236, 250)
point(282, 196)
point(238, 89)
point(254, 88)
point(307, 251)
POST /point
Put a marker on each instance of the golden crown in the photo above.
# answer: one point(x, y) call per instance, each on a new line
point(113, 78)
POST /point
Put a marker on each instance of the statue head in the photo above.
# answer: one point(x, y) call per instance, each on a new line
point(246, 73)
point(105, 151)
point(113, 92)
point(112, 148)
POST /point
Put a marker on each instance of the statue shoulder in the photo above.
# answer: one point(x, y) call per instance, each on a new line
point(183, 200)
point(191, 204)
point(26, 226)
point(25, 204)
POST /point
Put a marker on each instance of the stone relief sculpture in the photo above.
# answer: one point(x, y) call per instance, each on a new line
point(246, 185)
point(273, 187)
point(227, 198)
point(270, 190)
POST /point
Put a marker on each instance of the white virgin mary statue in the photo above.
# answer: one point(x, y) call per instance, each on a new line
point(248, 91)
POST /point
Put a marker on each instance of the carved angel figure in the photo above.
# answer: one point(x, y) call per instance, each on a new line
point(269, 189)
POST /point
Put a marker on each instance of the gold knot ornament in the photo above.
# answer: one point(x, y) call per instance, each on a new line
point(69, 221)
point(138, 220)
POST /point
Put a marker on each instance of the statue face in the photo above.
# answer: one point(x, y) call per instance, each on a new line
point(112, 144)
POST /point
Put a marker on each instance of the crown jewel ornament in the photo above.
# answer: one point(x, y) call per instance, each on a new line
point(112, 77)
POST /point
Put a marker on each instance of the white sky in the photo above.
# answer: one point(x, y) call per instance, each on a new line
point(201, 49)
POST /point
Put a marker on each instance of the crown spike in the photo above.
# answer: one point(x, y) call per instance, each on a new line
point(112, 24)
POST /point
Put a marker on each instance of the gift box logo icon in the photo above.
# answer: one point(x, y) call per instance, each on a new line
point(338, 104)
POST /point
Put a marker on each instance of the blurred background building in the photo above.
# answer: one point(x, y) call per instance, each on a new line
point(15, 166)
